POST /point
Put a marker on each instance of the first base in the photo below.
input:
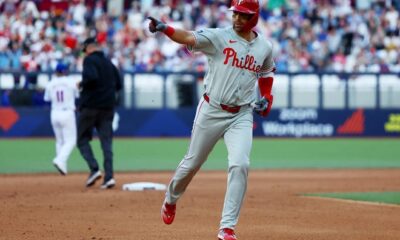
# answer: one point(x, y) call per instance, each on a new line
point(142, 186)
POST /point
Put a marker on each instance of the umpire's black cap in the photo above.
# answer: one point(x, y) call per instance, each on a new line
point(91, 40)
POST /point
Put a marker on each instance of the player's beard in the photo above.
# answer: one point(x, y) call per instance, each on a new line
point(239, 28)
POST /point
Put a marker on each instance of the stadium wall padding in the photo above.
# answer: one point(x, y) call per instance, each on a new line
point(297, 123)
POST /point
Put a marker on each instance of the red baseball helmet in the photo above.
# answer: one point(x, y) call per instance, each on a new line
point(247, 7)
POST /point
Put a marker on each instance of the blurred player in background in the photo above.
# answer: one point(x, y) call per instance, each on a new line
point(101, 82)
point(239, 58)
point(62, 92)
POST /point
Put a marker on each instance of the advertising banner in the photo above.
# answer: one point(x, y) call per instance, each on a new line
point(329, 123)
point(296, 123)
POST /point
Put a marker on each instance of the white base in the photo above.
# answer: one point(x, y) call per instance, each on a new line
point(142, 186)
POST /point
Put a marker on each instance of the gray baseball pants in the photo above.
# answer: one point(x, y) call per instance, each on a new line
point(210, 124)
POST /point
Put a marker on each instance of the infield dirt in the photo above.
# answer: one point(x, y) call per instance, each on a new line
point(49, 206)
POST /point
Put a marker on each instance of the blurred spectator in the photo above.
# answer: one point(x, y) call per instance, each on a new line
point(4, 60)
point(14, 54)
point(309, 35)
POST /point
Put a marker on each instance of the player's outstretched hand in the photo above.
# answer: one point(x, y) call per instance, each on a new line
point(263, 106)
point(156, 25)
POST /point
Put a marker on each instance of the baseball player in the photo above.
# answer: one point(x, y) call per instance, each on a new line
point(239, 58)
point(61, 92)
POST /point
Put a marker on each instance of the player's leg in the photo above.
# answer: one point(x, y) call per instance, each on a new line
point(57, 119)
point(201, 144)
point(105, 132)
point(69, 135)
point(238, 140)
point(55, 122)
point(205, 134)
point(86, 121)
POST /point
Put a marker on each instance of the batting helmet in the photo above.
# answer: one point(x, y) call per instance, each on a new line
point(61, 68)
point(251, 7)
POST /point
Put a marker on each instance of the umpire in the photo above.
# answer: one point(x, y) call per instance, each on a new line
point(101, 82)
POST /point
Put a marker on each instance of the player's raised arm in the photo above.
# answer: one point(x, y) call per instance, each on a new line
point(177, 35)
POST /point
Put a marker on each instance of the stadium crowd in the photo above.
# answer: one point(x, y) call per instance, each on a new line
point(308, 35)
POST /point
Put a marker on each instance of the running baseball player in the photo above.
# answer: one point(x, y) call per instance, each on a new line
point(61, 92)
point(238, 58)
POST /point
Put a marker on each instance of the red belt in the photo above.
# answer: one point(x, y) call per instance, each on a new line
point(231, 109)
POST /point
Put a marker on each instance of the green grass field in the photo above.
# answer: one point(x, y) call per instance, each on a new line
point(377, 197)
point(35, 155)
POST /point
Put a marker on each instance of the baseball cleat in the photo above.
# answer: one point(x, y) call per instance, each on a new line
point(93, 177)
point(61, 168)
point(168, 212)
point(109, 184)
point(226, 234)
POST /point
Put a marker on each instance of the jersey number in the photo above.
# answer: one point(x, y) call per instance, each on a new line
point(60, 96)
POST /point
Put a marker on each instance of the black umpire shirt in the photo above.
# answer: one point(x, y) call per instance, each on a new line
point(101, 81)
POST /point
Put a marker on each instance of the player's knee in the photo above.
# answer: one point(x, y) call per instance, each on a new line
point(239, 166)
point(71, 144)
point(192, 163)
point(239, 160)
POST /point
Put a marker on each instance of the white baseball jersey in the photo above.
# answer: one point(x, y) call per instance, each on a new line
point(234, 64)
point(61, 91)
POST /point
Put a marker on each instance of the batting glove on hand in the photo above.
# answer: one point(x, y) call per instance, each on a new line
point(263, 106)
point(156, 25)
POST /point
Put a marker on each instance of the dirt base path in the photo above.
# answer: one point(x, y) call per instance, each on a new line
point(53, 207)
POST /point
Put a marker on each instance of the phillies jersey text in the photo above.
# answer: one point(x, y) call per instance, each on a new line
point(234, 64)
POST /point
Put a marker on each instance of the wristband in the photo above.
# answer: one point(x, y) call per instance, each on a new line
point(169, 31)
